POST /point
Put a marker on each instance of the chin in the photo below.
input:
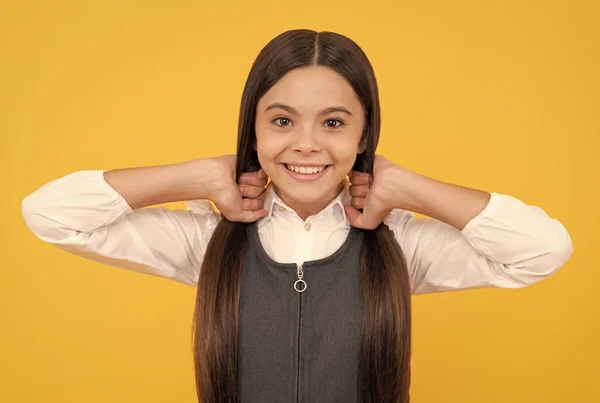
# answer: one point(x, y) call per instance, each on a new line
point(304, 196)
point(307, 193)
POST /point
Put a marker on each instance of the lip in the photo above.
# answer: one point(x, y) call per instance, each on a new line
point(305, 177)
point(304, 164)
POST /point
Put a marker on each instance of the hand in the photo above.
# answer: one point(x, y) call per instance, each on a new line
point(376, 199)
point(227, 194)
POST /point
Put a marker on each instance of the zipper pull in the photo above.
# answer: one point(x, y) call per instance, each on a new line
point(300, 285)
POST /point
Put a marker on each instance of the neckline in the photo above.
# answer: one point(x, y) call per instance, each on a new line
point(257, 245)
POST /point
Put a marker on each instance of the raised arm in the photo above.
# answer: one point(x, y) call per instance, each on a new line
point(105, 216)
point(509, 244)
point(473, 239)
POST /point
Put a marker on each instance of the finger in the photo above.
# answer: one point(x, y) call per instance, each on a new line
point(261, 174)
point(360, 178)
point(252, 204)
point(253, 192)
point(254, 178)
point(359, 190)
point(358, 202)
point(263, 194)
point(249, 216)
point(244, 215)
point(354, 216)
point(362, 220)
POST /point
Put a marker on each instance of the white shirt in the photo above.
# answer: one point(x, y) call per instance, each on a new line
point(508, 245)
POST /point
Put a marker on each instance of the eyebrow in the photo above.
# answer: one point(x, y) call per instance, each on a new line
point(293, 111)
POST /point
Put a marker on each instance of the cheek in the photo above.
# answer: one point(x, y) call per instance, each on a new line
point(268, 148)
point(344, 152)
point(263, 142)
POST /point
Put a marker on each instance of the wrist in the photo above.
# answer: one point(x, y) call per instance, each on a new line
point(196, 179)
point(406, 185)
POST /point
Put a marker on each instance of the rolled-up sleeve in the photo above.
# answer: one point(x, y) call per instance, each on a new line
point(82, 214)
point(508, 245)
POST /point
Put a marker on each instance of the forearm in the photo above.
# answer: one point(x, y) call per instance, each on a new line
point(146, 186)
point(453, 204)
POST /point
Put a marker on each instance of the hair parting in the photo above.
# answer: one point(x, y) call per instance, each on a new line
point(386, 295)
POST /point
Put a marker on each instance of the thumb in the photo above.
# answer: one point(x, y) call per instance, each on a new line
point(362, 220)
point(238, 214)
point(356, 217)
point(249, 216)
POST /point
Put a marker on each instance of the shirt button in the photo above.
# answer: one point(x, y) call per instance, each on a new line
point(282, 209)
point(307, 226)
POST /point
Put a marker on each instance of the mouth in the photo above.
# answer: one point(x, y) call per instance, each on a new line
point(305, 173)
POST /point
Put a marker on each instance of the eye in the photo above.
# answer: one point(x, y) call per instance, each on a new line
point(281, 121)
point(333, 123)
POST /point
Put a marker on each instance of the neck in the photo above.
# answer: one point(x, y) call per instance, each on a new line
point(305, 210)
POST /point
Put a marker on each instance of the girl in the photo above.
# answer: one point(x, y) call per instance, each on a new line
point(303, 285)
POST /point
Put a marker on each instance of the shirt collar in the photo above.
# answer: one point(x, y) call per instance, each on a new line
point(274, 205)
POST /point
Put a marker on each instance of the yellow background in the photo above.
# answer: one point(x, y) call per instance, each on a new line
point(501, 96)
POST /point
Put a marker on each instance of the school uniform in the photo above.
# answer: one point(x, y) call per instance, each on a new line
point(298, 345)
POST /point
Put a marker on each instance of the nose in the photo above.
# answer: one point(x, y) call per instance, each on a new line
point(306, 141)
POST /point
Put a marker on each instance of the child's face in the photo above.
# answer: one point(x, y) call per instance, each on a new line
point(296, 131)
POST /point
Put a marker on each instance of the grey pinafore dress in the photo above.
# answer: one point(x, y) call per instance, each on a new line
point(300, 347)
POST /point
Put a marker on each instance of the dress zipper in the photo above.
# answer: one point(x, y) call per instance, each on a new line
point(300, 284)
point(300, 287)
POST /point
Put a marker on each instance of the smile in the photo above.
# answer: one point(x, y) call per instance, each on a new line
point(305, 173)
point(306, 170)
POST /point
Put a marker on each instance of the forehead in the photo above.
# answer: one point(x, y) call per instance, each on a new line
point(311, 89)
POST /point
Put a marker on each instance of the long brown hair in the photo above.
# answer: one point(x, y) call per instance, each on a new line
point(386, 294)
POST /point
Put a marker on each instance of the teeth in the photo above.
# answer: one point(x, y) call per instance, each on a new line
point(305, 170)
